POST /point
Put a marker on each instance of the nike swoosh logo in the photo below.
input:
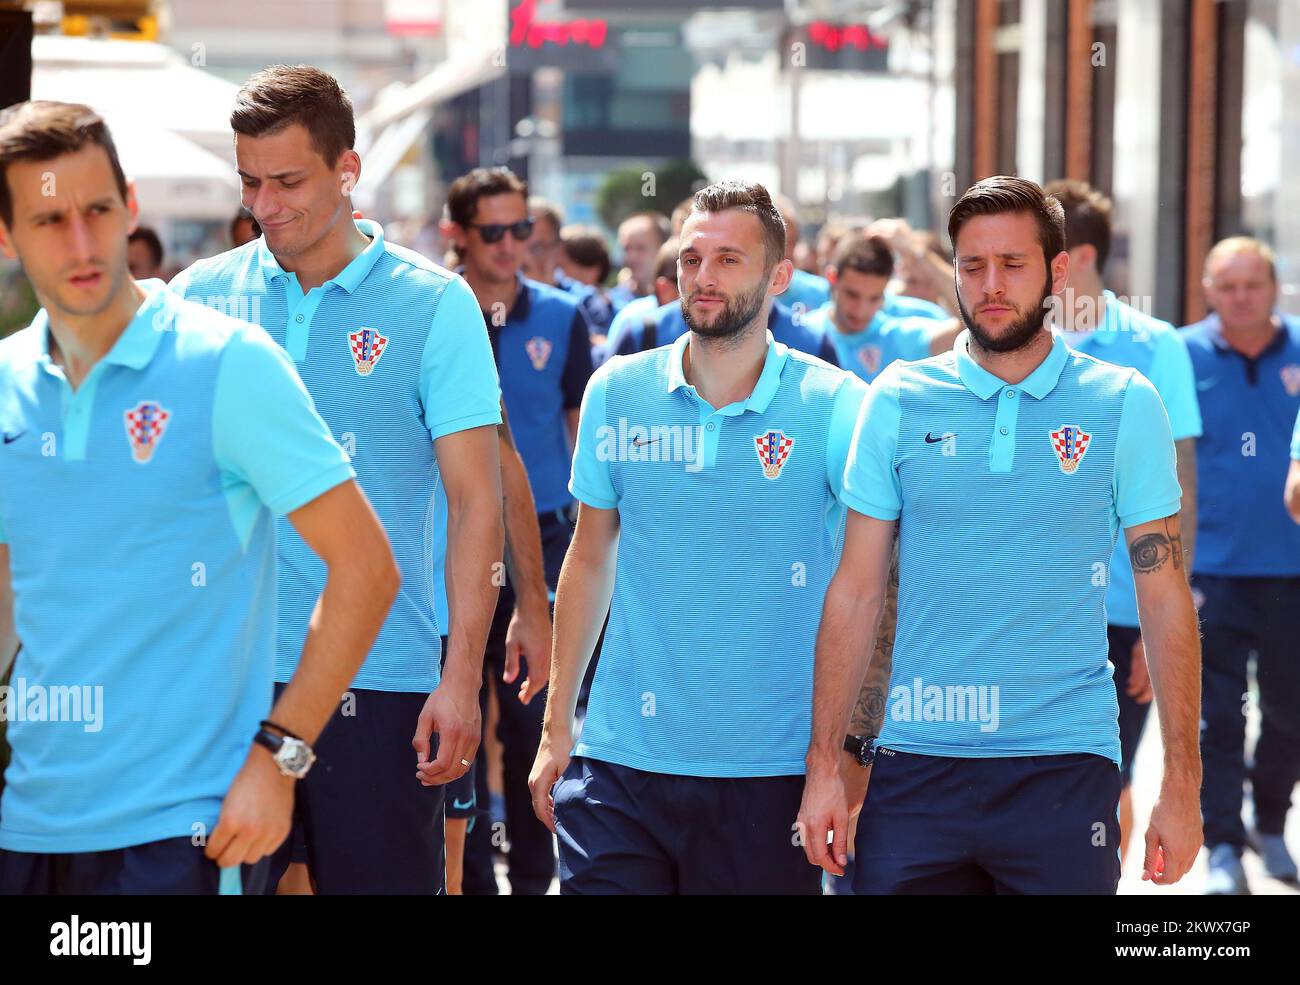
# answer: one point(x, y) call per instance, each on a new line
point(642, 444)
point(932, 440)
point(11, 438)
point(1205, 384)
point(457, 805)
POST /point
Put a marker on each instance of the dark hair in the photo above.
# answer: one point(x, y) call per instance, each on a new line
point(282, 95)
point(44, 130)
point(150, 239)
point(863, 254)
point(585, 246)
point(465, 191)
point(244, 217)
point(1003, 193)
point(1087, 215)
point(751, 197)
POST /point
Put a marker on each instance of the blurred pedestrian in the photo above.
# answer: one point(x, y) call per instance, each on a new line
point(144, 254)
point(1246, 569)
point(243, 229)
point(639, 238)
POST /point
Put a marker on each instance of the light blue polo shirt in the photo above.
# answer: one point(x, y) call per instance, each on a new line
point(1011, 497)
point(396, 355)
point(1295, 439)
point(730, 530)
point(807, 292)
point(885, 339)
point(138, 513)
point(1130, 337)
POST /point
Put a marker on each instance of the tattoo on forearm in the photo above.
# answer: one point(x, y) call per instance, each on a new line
point(1150, 551)
point(869, 710)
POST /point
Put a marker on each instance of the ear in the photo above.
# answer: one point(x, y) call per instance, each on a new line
point(6, 243)
point(452, 231)
point(349, 172)
point(829, 274)
point(1060, 271)
point(781, 276)
point(1083, 257)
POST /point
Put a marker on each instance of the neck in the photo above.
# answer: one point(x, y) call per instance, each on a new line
point(78, 342)
point(1251, 340)
point(326, 260)
point(491, 292)
point(841, 327)
point(1012, 367)
point(724, 371)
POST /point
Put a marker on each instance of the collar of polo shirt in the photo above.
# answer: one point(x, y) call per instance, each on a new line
point(984, 384)
point(764, 390)
point(351, 276)
point(138, 342)
point(1215, 333)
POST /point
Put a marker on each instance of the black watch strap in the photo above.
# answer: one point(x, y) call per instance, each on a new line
point(269, 740)
point(863, 748)
point(266, 724)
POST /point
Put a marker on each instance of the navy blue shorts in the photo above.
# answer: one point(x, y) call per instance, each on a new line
point(174, 866)
point(1132, 716)
point(623, 830)
point(362, 821)
point(1025, 824)
point(460, 801)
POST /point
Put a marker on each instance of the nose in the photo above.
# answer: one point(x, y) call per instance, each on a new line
point(79, 239)
point(992, 282)
point(262, 203)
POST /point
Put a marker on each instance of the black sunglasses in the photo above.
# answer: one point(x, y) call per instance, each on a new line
point(492, 232)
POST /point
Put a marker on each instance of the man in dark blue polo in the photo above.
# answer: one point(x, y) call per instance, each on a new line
point(1246, 570)
point(539, 339)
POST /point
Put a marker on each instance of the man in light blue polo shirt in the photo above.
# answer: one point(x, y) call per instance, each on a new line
point(394, 350)
point(866, 334)
point(1096, 322)
point(148, 444)
point(997, 766)
point(707, 473)
point(1246, 570)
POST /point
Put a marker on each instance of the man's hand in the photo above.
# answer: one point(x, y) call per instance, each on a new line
point(551, 762)
point(1174, 835)
point(452, 711)
point(824, 813)
point(529, 633)
point(855, 779)
point(1139, 678)
point(256, 814)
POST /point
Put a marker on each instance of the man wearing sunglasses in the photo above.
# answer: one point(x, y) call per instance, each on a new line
point(540, 341)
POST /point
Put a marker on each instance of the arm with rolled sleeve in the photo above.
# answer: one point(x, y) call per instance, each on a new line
point(1147, 500)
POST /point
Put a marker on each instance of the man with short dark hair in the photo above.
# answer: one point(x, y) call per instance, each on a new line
point(144, 254)
point(1246, 356)
point(867, 338)
point(707, 473)
point(540, 341)
point(1096, 322)
point(148, 445)
point(997, 766)
point(393, 348)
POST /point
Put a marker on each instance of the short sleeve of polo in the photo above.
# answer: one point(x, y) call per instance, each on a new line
point(577, 367)
point(1295, 451)
point(1172, 375)
point(458, 376)
point(844, 417)
point(915, 333)
point(1146, 476)
point(871, 485)
point(265, 427)
point(590, 482)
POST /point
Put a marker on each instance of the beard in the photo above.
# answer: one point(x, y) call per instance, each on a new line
point(736, 314)
point(1020, 333)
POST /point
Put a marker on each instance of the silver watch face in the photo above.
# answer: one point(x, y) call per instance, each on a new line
point(294, 758)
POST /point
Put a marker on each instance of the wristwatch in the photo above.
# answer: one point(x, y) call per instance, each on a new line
point(292, 756)
point(863, 748)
